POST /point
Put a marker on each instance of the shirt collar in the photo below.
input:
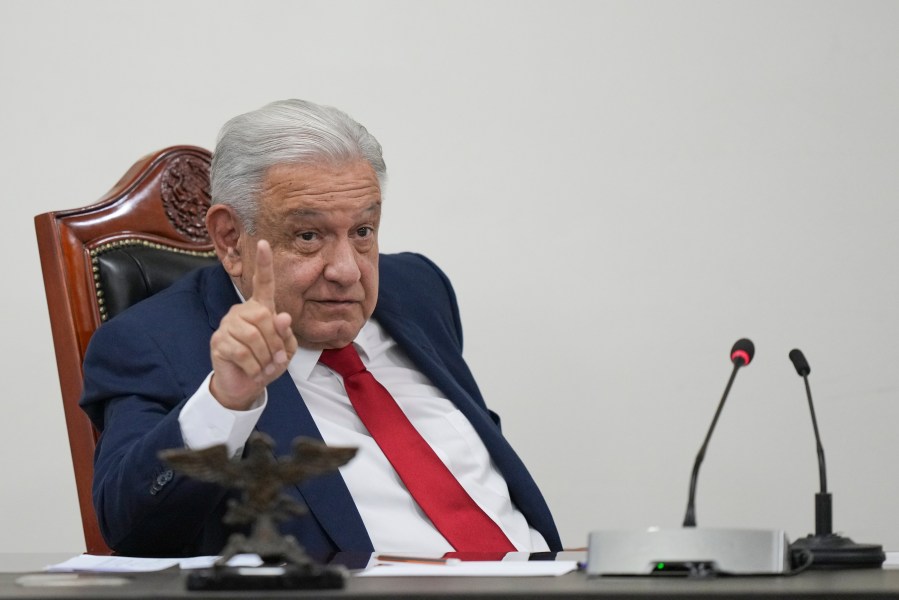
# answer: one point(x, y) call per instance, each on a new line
point(305, 359)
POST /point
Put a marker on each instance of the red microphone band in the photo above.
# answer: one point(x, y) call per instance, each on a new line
point(740, 354)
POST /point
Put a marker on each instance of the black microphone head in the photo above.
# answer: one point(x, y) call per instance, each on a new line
point(799, 362)
point(743, 351)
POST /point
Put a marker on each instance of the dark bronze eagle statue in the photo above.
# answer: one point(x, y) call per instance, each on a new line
point(260, 476)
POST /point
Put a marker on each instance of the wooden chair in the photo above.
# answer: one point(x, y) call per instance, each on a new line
point(146, 232)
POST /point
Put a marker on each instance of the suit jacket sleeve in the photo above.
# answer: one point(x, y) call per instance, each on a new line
point(136, 379)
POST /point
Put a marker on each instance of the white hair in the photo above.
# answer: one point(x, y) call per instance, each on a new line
point(284, 132)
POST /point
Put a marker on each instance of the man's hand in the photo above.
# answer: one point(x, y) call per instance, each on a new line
point(253, 343)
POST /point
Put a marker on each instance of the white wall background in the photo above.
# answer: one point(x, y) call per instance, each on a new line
point(619, 191)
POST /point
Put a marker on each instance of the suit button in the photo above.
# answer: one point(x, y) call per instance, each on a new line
point(161, 479)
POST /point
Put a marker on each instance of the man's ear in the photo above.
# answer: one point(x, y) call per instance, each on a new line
point(226, 232)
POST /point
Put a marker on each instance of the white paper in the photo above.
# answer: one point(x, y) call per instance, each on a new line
point(130, 564)
point(112, 564)
point(892, 561)
point(508, 568)
point(205, 562)
point(532, 568)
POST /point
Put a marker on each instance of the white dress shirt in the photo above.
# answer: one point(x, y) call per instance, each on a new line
point(394, 521)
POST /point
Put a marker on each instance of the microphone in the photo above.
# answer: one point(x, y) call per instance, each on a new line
point(829, 550)
point(741, 355)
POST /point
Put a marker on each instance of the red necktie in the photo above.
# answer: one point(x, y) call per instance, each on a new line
point(434, 488)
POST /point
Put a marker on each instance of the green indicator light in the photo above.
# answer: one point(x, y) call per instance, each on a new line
point(660, 566)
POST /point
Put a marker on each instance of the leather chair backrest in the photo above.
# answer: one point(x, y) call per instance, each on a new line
point(133, 270)
point(145, 233)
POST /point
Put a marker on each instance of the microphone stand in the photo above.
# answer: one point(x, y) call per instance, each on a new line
point(830, 550)
point(690, 515)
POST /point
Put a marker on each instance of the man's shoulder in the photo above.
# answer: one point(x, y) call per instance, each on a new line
point(409, 265)
point(412, 285)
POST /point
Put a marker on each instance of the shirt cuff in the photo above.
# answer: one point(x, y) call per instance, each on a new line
point(204, 422)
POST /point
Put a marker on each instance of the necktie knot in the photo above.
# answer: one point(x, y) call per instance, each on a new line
point(345, 361)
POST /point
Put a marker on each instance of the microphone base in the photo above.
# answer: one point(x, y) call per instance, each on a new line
point(834, 551)
point(689, 552)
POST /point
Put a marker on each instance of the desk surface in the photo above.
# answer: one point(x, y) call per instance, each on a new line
point(812, 584)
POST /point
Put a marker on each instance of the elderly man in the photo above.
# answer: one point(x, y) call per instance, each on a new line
point(304, 329)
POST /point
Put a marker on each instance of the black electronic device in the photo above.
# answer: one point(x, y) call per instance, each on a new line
point(828, 549)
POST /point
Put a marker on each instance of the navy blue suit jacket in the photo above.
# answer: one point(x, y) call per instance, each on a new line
point(143, 365)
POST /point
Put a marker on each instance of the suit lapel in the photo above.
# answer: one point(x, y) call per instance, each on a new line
point(418, 347)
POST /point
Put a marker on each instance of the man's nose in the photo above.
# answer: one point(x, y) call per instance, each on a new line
point(341, 266)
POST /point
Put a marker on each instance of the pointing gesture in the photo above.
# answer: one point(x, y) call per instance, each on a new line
point(253, 343)
point(264, 277)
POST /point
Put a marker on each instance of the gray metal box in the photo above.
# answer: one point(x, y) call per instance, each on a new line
point(682, 551)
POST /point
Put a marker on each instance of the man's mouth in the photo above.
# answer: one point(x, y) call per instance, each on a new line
point(336, 301)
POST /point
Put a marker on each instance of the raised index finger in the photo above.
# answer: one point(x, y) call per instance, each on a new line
point(264, 276)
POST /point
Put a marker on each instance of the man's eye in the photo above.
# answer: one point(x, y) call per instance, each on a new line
point(364, 231)
point(306, 236)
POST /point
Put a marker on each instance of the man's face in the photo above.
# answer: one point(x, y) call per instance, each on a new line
point(322, 223)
